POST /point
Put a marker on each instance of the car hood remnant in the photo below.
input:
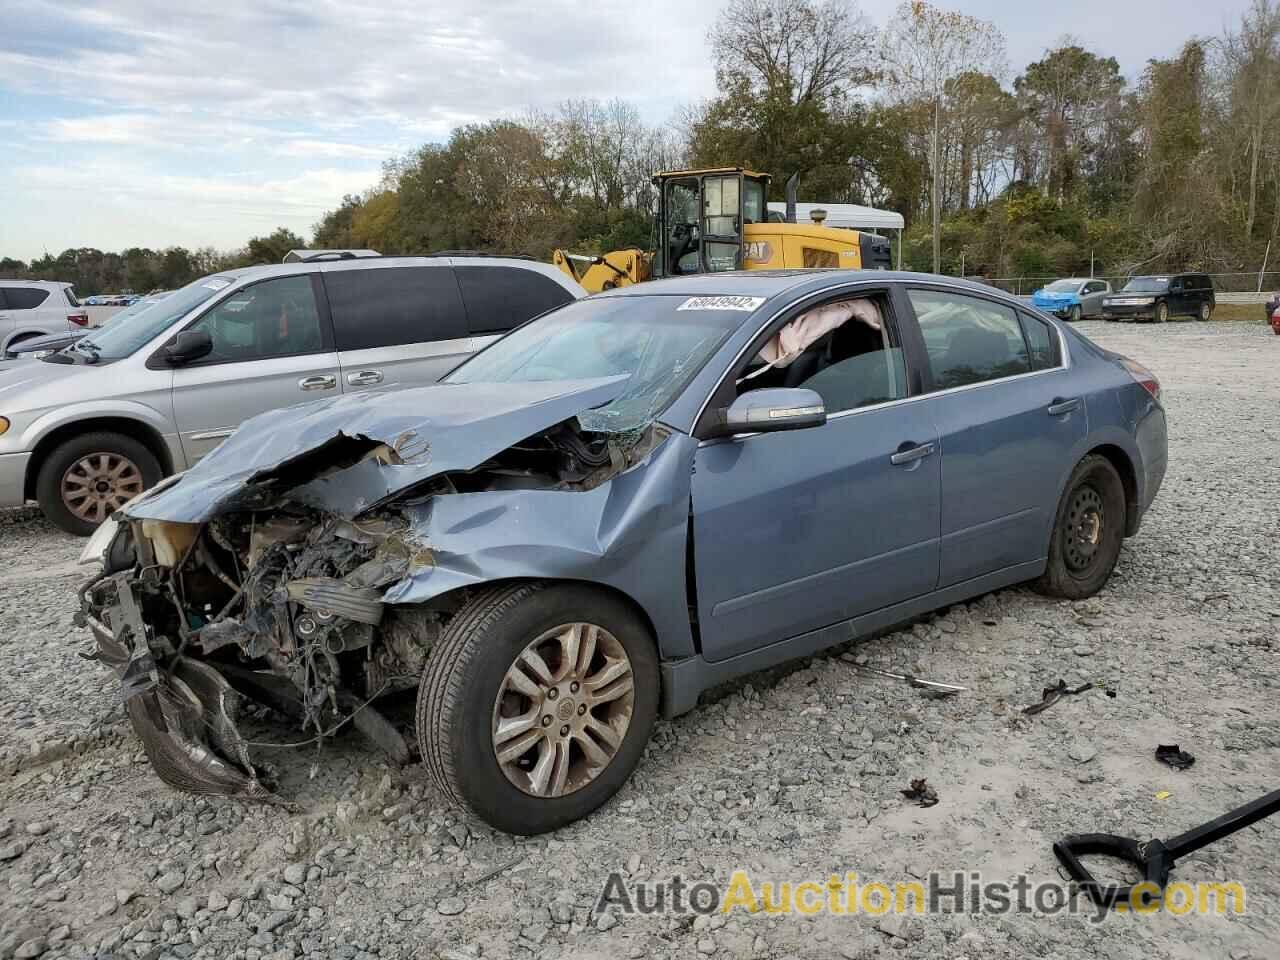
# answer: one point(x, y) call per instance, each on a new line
point(379, 443)
point(310, 562)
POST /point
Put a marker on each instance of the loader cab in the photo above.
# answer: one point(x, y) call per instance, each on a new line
point(701, 216)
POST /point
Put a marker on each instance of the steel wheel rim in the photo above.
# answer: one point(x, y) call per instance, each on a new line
point(99, 484)
point(1086, 524)
point(563, 710)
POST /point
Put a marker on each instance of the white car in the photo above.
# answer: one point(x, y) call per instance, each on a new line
point(36, 308)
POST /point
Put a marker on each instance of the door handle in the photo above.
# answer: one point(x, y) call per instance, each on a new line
point(324, 382)
point(912, 454)
point(364, 378)
point(1059, 406)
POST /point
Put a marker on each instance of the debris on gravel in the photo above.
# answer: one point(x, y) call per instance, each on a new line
point(792, 776)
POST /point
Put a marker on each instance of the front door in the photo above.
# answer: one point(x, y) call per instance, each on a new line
point(1009, 416)
point(799, 530)
point(270, 350)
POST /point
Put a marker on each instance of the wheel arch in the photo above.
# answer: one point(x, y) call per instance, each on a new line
point(451, 597)
point(1124, 465)
point(137, 430)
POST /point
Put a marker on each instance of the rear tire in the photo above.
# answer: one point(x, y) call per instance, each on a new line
point(1088, 530)
point(87, 478)
point(466, 691)
point(1077, 314)
point(1206, 312)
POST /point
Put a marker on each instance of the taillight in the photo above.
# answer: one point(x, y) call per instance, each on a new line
point(79, 319)
point(1145, 377)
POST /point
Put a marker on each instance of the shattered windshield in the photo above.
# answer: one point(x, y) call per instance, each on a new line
point(657, 342)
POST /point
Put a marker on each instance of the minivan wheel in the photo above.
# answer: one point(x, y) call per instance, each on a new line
point(1206, 312)
point(1162, 312)
point(86, 479)
point(1087, 532)
point(536, 703)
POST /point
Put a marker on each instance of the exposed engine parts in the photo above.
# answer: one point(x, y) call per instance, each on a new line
point(281, 598)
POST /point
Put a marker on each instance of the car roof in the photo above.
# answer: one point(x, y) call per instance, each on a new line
point(770, 283)
point(382, 263)
point(51, 284)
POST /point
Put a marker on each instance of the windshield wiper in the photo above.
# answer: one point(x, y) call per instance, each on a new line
point(89, 349)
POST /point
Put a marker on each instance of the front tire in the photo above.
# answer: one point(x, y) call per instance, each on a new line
point(86, 479)
point(536, 703)
point(1077, 313)
point(1087, 533)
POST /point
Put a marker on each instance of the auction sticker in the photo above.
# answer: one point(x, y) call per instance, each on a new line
point(745, 304)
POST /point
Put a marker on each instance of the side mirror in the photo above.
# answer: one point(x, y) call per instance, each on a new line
point(189, 345)
point(777, 408)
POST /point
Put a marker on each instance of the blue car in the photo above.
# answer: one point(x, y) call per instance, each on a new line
point(1072, 299)
point(622, 503)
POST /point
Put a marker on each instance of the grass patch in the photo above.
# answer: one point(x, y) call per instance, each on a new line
point(1251, 312)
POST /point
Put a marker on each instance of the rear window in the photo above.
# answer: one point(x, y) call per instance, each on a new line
point(1043, 341)
point(499, 299)
point(394, 305)
point(24, 298)
point(1147, 285)
point(71, 296)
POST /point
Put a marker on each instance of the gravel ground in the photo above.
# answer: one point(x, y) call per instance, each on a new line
point(794, 775)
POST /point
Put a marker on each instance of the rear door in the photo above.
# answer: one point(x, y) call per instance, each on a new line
point(500, 297)
point(1009, 417)
point(28, 309)
point(6, 319)
point(396, 326)
point(272, 347)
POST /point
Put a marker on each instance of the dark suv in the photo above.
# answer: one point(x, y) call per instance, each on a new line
point(1162, 297)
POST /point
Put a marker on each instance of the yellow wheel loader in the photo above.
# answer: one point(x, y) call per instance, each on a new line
point(714, 220)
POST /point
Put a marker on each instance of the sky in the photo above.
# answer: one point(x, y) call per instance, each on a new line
point(140, 123)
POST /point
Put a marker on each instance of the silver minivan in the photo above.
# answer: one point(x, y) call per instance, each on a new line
point(84, 430)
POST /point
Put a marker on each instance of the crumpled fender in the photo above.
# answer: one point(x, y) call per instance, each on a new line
point(629, 534)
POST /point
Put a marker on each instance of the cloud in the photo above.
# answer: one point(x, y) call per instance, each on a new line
point(397, 62)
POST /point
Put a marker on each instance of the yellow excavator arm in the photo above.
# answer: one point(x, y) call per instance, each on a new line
point(617, 268)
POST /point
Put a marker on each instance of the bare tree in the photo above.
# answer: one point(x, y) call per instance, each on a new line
point(922, 49)
point(1252, 56)
point(802, 50)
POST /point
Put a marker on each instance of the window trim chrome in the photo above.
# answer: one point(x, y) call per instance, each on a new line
point(1065, 361)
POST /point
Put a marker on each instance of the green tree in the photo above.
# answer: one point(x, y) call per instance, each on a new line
point(1068, 96)
point(273, 247)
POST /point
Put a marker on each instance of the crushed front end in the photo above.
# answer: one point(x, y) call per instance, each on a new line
point(282, 608)
point(313, 585)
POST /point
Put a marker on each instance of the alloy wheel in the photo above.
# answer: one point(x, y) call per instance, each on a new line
point(97, 485)
point(563, 710)
point(1085, 523)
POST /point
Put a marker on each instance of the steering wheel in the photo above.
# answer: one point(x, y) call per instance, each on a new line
point(684, 239)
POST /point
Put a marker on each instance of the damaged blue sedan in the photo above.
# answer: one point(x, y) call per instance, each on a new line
point(617, 506)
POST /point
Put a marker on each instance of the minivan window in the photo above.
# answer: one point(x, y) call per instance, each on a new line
point(391, 306)
point(499, 299)
point(274, 318)
point(969, 340)
point(119, 340)
point(25, 298)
